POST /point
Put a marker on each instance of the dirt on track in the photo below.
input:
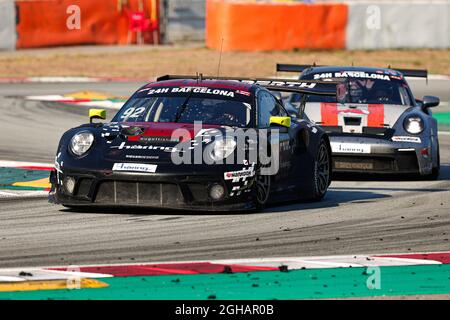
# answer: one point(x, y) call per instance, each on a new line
point(148, 61)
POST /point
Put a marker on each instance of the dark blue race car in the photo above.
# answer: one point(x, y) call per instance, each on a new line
point(196, 143)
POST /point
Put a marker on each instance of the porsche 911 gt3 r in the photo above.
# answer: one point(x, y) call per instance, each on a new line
point(176, 143)
point(375, 125)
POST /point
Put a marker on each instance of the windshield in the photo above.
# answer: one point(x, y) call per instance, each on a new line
point(186, 109)
point(367, 91)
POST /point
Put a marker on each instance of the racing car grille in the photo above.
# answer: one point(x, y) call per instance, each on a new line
point(138, 193)
point(367, 132)
point(402, 163)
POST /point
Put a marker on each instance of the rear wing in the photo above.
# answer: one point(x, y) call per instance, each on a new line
point(314, 87)
point(298, 68)
point(413, 73)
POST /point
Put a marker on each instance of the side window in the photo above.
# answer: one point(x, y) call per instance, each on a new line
point(268, 107)
point(281, 112)
point(404, 96)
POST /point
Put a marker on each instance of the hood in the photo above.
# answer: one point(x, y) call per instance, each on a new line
point(137, 142)
point(354, 117)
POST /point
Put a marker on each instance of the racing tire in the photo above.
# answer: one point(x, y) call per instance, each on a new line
point(322, 172)
point(434, 175)
point(262, 190)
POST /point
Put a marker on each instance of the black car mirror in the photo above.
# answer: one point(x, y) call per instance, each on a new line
point(430, 102)
point(419, 103)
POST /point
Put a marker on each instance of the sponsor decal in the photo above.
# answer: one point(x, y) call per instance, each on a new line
point(201, 90)
point(338, 147)
point(125, 146)
point(293, 84)
point(239, 174)
point(353, 165)
point(407, 139)
point(245, 93)
point(156, 91)
point(355, 111)
point(129, 156)
point(158, 139)
point(138, 167)
point(352, 74)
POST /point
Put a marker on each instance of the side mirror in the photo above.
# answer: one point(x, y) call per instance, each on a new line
point(430, 102)
point(97, 114)
point(281, 121)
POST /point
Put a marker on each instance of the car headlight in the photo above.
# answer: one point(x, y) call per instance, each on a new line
point(222, 148)
point(81, 143)
point(414, 124)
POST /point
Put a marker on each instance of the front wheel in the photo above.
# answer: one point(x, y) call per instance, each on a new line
point(262, 186)
point(434, 175)
point(322, 172)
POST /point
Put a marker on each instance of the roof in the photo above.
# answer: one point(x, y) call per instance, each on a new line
point(347, 68)
point(213, 84)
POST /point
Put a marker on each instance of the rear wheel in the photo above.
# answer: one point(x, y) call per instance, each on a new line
point(322, 172)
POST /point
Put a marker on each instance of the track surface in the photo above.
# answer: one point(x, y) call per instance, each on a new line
point(356, 216)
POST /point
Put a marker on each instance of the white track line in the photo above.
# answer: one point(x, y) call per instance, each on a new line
point(15, 164)
point(293, 263)
point(19, 194)
point(278, 261)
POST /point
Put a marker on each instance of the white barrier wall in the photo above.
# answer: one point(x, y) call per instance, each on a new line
point(7, 25)
point(184, 20)
point(398, 25)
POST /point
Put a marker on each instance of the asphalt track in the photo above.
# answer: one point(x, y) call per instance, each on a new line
point(356, 217)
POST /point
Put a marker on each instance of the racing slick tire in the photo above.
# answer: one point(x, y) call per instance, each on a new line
point(322, 172)
point(262, 190)
point(434, 175)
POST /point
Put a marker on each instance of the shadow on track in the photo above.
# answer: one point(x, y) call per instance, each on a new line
point(333, 199)
point(444, 175)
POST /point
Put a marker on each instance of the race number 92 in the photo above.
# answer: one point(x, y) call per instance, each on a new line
point(133, 113)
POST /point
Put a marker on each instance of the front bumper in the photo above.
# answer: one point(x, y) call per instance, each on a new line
point(168, 191)
point(381, 156)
